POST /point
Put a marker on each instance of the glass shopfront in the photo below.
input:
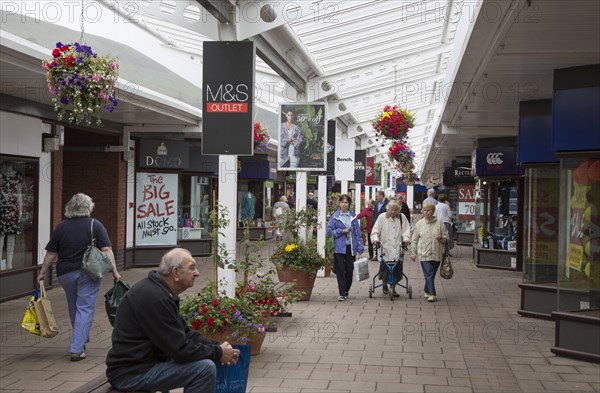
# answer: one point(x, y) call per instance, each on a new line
point(18, 228)
point(579, 231)
point(541, 205)
point(195, 201)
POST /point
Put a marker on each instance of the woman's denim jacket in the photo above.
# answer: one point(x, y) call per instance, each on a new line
point(335, 228)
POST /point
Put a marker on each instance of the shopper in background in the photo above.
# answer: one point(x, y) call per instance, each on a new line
point(380, 207)
point(428, 242)
point(430, 198)
point(280, 211)
point(444, 213)
point(67, 245)
point(367, 213)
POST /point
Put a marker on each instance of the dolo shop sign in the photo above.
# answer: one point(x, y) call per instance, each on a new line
point(163, 154)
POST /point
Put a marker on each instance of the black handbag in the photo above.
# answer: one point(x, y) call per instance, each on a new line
point(95, 262)
point(112, 299)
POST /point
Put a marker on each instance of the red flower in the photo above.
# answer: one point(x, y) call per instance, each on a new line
point(64, 48)
point(210, 321)
point(224, 312)
point(69, 60)
point(215, 303)
point(204, 310)
point(196, 324)
point(56, 53)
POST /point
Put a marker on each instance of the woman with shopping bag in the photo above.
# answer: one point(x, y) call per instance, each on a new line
point(66, 248)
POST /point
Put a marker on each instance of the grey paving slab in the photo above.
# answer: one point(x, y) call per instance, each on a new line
point(470, 340)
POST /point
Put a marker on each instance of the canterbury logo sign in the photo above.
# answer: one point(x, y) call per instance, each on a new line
point(494, 158)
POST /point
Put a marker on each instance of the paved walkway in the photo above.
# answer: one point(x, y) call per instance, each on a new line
point(471, 340)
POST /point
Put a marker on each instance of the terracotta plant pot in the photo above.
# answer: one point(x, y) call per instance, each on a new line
point(255, 342)
point(304, 281)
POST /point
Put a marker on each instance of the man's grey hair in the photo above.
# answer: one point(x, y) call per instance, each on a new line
point(173, 259)
point(80, 205)
point(431, 192)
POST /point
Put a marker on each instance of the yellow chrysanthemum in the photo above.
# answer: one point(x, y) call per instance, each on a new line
point(290, 247)
point(386, 115)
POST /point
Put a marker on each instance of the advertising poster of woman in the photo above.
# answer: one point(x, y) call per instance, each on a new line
point(302, 137)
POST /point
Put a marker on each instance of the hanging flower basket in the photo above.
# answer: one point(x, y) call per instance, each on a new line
point(393, 123)
point(82, 81)
point(261, 137)
point(409, 178)
point(401, 154)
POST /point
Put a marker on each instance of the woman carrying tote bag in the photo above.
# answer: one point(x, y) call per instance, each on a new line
point(66, 247)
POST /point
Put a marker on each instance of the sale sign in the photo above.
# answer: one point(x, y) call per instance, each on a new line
point(156, 209)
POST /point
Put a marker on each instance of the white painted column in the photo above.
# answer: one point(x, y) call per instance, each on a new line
point(410, 196)
point(228, 198)
point(344, 186)
point(322, 220)
point(357, 199)
point(301, 195)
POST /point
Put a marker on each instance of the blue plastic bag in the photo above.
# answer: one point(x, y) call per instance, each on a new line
point(233, 379)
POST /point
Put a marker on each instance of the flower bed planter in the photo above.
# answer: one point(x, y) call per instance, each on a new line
point(304, 281)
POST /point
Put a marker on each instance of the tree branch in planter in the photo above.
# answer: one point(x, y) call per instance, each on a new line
point(218, 220)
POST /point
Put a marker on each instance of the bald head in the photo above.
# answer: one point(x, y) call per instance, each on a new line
point(173, 259)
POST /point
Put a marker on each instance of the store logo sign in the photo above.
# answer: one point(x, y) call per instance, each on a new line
point(494, 158)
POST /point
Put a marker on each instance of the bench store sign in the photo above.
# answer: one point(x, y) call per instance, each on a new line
point(156, 209)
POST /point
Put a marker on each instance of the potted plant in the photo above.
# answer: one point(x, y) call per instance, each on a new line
point(236, 320)
point(82, 81)
point(294, 259)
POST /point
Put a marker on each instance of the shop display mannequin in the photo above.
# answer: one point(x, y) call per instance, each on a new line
point(10, 210)
point(248, 203)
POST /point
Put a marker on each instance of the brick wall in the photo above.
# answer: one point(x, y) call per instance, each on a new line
point(100, 175)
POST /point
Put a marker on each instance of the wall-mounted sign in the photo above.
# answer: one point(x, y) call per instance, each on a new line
point(227, 97)
point(302, 139)
point(459, 172)
point(360, 166)
point(156, 209)
point(370, 172)
point(163, 154)
point(502, 160)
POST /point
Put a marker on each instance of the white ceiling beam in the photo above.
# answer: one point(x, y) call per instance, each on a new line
point(336, 109)
point(478, 131)
point(191, 16)
point(358, 129)
point(161, 128)
point(254, 17)
point(325, 84)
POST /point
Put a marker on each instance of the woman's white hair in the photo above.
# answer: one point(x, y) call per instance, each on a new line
point(429, 205)
point(392, 205)
point(173, 259)
point(80, 205)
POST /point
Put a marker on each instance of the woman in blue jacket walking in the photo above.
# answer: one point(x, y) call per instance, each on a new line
point(347, 240)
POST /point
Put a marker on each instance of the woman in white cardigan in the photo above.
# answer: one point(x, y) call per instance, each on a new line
point(428, 243)
point(392, 230)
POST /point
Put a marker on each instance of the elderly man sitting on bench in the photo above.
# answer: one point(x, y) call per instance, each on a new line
point(152, 347)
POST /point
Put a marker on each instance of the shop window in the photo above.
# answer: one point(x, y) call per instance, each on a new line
point(579, 231)
point(195, 203)
point(18, 185)
point(541, 205)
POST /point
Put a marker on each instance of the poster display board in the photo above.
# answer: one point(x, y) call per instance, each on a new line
point(302, 137)
point(156, 209)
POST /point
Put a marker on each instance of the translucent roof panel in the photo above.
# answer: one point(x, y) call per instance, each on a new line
point(377, 53)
